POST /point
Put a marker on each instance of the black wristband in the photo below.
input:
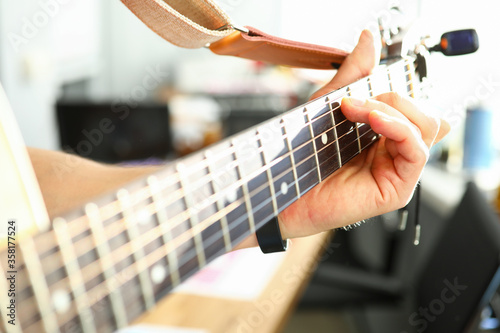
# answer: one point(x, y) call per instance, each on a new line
point(269, 237)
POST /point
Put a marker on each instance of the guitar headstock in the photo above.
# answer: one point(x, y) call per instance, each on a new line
point(398, 42)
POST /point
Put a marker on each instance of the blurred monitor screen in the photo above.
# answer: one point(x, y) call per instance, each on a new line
point(115, 133)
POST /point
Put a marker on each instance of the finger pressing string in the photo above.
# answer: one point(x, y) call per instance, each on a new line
point(428, 125)
point(396, 106)
point(409, 151)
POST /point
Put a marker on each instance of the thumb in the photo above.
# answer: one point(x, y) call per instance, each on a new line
point(358, 64)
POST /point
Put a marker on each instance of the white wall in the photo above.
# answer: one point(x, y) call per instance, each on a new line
point(116, 50)
point(43, 44)
point(457, 80)
point(28, 91)
point(338, 24)
point(130, 47)
point(61, 41)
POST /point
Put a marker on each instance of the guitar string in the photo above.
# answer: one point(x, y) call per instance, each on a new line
point(316, 136)
point(326, 114)
point(232, 187)
point(330, 129)
point(152, 253)
point(178, 241)
point(130, 272)
point(243, 180)
point(119, 227)
point(187, 253)
point(159, 249)
point(278, 177)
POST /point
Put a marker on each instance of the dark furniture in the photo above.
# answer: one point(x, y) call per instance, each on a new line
point(113, 132)
point(443, 285)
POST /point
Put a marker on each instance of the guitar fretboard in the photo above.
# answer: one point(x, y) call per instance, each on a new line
point(100, 267)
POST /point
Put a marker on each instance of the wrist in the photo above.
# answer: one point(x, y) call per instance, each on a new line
point(283, 230)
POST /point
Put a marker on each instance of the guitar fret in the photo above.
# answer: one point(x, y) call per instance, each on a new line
point(39, 286)
point(389, 79)
point(269, 177)
point(215, 188)
point(368, 136)
point(357, 135)
point(200, 197)
point(74, 275)
point(84, 274)
point(335, 107)
point(356, 124)
point(292, 159)
point(324, 137)
point(409, 79)
point(133, 235)
point(166, 232)
point(398, 78)
point(230, 197)
point(302, 149)
point(103, 252)
point(313, 143)
point(246, 194)
point(193, 219)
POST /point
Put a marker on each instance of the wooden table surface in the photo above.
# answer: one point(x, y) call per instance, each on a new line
point(266, 314)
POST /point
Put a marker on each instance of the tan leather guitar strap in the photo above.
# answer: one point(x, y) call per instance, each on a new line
point(200, 23)
point(257, 45)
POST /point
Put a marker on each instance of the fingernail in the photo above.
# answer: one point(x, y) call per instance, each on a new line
point(381, 115)
point(357, 101)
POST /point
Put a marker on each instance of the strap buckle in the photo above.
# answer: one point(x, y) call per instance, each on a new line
point(230, 26)
point(234, 27)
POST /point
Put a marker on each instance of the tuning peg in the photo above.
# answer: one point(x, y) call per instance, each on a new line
point(457, 42)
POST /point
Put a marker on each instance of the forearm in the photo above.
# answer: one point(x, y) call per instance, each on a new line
point(68, 181)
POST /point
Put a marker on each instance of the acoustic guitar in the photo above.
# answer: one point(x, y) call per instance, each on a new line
point(98, 268)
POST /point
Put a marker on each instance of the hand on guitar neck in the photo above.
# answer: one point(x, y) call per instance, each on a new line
point(381, 179)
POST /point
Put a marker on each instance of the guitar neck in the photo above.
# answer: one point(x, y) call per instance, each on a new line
point(100, 267)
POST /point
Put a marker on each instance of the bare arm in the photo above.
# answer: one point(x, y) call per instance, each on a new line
point(68, 181)
point(379, 180)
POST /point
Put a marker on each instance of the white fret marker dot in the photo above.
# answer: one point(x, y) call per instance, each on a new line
point(324, 138)
point(61, 301)
point(284, 188)
point(158, 274)
point(232, 196)
point(143, 217)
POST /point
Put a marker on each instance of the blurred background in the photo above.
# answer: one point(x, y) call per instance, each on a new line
point(98, 53)
point(65, 65)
